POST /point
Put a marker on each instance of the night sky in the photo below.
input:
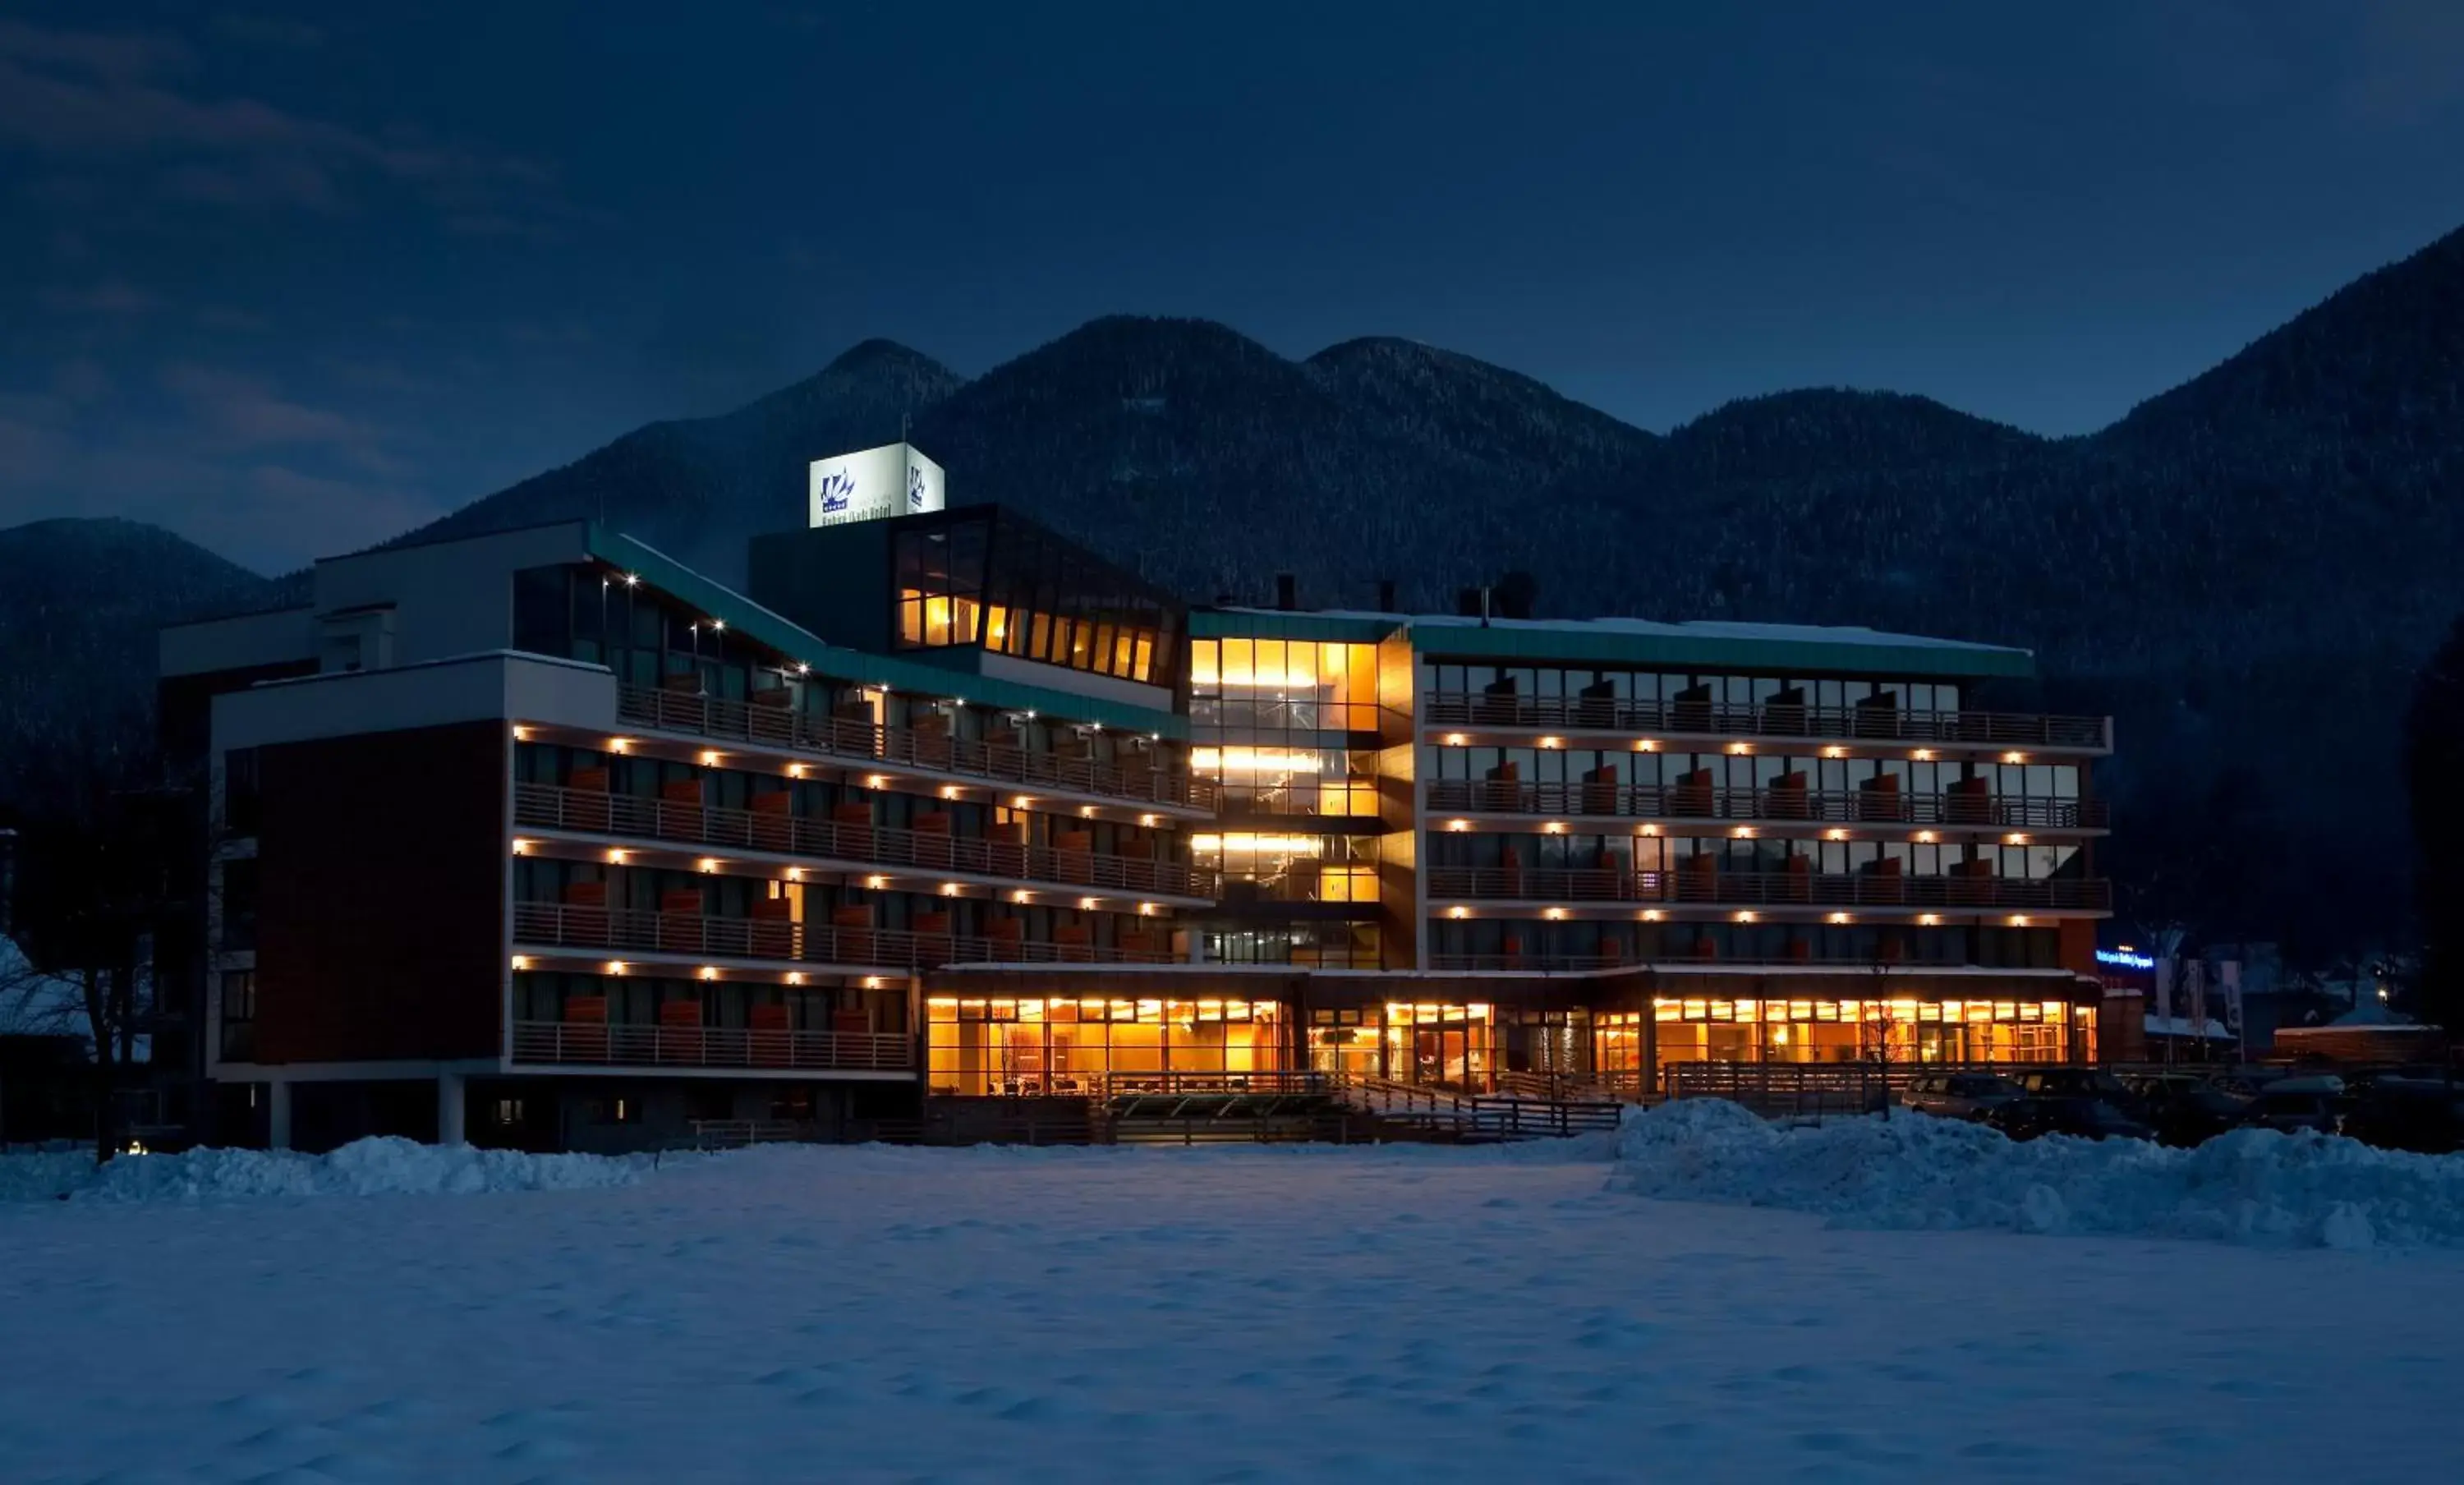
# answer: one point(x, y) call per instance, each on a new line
point(291, 280)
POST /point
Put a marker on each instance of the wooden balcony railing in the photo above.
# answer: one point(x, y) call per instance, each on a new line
point(629, 931)
point(711, 1046)
point(1764, 720)
point(1816, 807)
point(1767, 888)
point(778, 726)
point(548, 807)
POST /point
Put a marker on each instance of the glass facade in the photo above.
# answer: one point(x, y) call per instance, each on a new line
point(1897, 1030)
point(1090, 1047)
point(982, 578)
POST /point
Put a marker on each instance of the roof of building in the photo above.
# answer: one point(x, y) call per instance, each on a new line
point(1701, 642)
point(861, 666)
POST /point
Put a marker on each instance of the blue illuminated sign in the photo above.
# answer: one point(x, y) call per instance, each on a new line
point(2125, 961)
point(838, 491)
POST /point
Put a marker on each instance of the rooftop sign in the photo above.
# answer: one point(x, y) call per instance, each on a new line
point(872, 484)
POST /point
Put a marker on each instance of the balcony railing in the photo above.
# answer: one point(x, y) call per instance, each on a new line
point(839, 736)
point(1767, 888)
point(711, 1046)
point(631, 931)
point(547, 806)
point(1763, 719)
point(1570, 963)
point(1817, 807)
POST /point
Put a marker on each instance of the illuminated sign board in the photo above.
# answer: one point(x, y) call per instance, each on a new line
point(872, 484)
point(2125, 960)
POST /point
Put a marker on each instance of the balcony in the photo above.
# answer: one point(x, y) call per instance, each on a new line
point(616, 931)
point(863, 742)
point(598, 1045)
point(1850, 725)
point(1770, 806)
point(1769, 889)
point(547, 806)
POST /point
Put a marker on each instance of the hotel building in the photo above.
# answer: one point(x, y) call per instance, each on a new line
point(541, 837)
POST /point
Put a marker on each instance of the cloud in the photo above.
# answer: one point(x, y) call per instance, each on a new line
point(111, 299)
point(234, 412)
point(95, 98)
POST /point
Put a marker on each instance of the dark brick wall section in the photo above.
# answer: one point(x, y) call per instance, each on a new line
point(381, 878)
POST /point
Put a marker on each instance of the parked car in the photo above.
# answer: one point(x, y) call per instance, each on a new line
point(1958, 1095)
point(2422, 1115)
point(2080, 1082)
point(2185, 1109)
point(2089, 1119)
point(2294, 1103)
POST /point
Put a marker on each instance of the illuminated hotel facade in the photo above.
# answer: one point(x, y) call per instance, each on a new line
point(541, 837)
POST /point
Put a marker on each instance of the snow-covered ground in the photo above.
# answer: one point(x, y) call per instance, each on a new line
point(1168, 1315)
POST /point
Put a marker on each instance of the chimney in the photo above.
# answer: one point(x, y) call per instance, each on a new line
point(1386, 595)
point(1286, 591)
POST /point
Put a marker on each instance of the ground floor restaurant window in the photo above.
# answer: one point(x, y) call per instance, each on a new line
point(1870, 1031)
point(1462, 1048)
point(1087, 1048)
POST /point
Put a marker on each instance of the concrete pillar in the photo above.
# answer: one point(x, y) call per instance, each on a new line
point(278, 1095)
point(449, 1105)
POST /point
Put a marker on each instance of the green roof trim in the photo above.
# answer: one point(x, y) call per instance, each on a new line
point(862, 667)
point(1250, 624)
point(1848, 652)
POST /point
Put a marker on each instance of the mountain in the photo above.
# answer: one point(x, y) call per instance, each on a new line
point(2246, 571)
point(695, 488)
point(80, 604)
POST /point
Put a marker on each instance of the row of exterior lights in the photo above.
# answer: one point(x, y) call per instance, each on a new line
point(707, 972)
point(1653, 915)
point(1921, 755)
point(1741, 832)
point(711, 866)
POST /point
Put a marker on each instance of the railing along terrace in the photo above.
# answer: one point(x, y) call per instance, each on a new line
point(1756, 889)
point(550, 807)
point(1761, 719)
point(841, 736)
point(1817, 807)
point(1550, 962)
point(635, 931)
point(605, 1045)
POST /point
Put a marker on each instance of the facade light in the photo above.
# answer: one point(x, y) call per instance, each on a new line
point(802, 669)
point(1840, 920)
point(2018, 919)
point(719, 624)
point(1740, 749)
point(1458, 825)
point(1651, 830)
point(521, 962)
point(1456, 739)
point(2015, 839)
point(615, 858)
point(1651, 915)
point(1553, 914)
point(1744, 833)
point(797, 771)
point(521, 847)
point(615, 966)
point(1923, 755)
point(2014, 757)
point(795, 874)
point(1747, 918)
point(876, 781)
point(795, 977)
point(1835, 834)
point(521, 734)
point(872, 981)
point(709, 757)
point(1022, 897)
point(877, 883)
point(1149, 821)
point(1554, 828)
point(948, 889)
point(1458, 912)
point(710, 971)
point(949, 791)
point(1086, 811)
point(1021, 802)
point(1086, 904)
point(1146, 910)
point(618, 745)
point(632, 580)
point(1553, 743)
point(1834, 752)
point(1929, 920)
point(1646, 746)
point(1925, 838)
point(709, 865)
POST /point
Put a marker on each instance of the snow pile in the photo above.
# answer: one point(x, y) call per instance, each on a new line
point(2252, 1186)
point(364, 1167)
